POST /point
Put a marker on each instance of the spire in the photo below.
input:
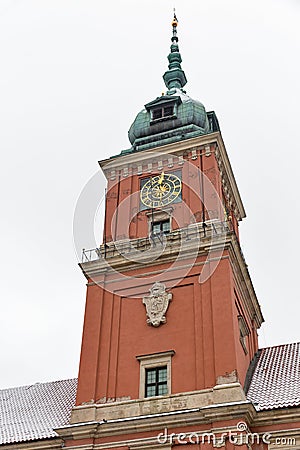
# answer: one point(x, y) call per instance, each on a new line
point(175, 76)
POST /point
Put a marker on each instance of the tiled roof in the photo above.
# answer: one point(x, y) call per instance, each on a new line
point(31, 412)
point(275, 379)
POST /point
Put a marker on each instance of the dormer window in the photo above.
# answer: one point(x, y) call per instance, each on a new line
point(163, 108)
point(163, 112)
point(168, 111)
point(157, 114)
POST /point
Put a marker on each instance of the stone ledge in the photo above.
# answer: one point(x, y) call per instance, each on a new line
point(225, 393)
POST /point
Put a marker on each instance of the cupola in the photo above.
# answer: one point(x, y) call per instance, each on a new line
point(173, 116)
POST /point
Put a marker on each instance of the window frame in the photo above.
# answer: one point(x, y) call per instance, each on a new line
point(244, 332)
point(155, 216)
point(162, 108)
point(156, 384)
point(153, 361)
point(160, 222)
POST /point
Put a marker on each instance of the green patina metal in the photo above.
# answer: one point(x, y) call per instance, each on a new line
point(190, 117)
point(186, 118)
point(175, 76)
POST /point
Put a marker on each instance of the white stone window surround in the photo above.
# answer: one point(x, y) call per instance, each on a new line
point(152, 361)
point(159, 216)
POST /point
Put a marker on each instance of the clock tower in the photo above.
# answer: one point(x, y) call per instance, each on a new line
point(171, 315)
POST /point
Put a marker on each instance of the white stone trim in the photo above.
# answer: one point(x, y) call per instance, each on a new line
point(157, 216)
point(151, 361)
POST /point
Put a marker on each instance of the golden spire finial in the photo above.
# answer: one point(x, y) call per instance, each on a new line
point(175, 20)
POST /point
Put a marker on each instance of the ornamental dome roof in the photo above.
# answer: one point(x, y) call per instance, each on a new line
point(169, 118)
point(173, 116)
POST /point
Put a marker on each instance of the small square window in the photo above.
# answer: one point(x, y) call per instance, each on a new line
point(164, 112)
point(156, 381)
point(161, 227)
point(155, 374)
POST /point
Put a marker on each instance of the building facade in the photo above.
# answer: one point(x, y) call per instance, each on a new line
point(170, 351)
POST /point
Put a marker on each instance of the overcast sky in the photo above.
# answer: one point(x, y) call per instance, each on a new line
point(74, 73)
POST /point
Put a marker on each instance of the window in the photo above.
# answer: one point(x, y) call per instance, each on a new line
point(155, 374)
point(163, 112)
point(168, 111)
point(244, 332)
point(161, 227)
point(159, 223)
point(156, 381)
point(157, 114)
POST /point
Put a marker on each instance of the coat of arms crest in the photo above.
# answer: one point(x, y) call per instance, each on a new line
point(157, 304)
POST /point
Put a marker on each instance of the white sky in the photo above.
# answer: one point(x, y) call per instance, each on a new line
point(74, 73)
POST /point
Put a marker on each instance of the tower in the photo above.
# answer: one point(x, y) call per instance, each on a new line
point(171, 315)
point(169, 350)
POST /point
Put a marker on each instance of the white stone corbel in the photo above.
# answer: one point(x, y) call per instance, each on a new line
point(180, 160)
point(207, 150)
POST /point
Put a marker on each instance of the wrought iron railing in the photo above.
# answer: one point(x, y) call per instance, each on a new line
point(200, 231)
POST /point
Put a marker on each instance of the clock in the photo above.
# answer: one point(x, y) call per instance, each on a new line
point(161, 190)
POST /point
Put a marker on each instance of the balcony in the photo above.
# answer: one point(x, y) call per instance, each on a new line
point(200, 234)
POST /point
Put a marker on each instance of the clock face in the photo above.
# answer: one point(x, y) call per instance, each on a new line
point(160, 190)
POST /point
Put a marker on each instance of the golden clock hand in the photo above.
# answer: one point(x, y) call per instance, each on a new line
point(161, 178)
point(164, 188)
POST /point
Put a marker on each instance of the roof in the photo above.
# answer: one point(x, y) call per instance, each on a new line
point(275, 378)
point(188, 118)
point(32, 412)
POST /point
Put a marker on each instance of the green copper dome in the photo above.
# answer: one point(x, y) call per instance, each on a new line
point(173, 116)
point(188, 119)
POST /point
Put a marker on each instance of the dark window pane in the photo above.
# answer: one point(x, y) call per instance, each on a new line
point(157, 114)
point(168, 111)
point(156, 228)
point(156, 381)
point(161, 227)
point(166, 226)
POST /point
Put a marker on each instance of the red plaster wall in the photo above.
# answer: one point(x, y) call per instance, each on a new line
point(194, 186)
point(202, 320)
point(202, 329)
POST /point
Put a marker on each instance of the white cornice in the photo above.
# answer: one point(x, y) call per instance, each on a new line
point(277, 416)
point(136, 158)
point(131, 163)
point(245, 283)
